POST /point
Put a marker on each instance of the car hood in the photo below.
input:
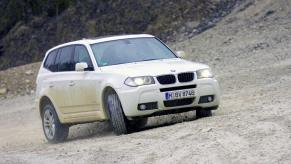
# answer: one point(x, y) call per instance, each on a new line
point(154, 67)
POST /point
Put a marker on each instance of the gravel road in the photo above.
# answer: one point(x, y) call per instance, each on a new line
point(250, 52)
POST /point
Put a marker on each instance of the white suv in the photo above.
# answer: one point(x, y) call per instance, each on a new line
point(124, 79)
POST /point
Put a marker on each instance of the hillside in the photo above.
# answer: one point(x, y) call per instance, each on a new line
point(29, 28)
point(250, 52)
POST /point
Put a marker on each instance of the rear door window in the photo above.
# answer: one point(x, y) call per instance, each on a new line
point(50, 61)
point(65, 59)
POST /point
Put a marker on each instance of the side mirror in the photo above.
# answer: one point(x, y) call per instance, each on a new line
point(81, 66)
point(181, 54)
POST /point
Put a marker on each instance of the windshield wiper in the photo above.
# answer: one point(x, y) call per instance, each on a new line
point(149, 59)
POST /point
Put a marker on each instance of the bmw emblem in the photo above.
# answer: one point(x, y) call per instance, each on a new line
point(172, 70)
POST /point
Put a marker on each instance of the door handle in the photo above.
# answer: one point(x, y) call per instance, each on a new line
point(71, 83)
point(51, 85)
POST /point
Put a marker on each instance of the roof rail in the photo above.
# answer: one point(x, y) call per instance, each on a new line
point(105, 36)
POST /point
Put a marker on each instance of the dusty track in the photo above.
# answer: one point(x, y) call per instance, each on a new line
point(250, 51)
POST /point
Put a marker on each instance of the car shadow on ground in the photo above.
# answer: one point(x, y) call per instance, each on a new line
point(103, 129)
point(167, 120)
point(90, 130)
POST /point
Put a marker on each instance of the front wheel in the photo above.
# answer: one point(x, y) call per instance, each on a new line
point(117, 119)
point(53, 129)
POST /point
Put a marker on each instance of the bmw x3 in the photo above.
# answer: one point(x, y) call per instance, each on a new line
point(124, 79)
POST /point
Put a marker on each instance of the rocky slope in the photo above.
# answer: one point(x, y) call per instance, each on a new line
point(18, 80)
point(33, 31)
point(29, 28)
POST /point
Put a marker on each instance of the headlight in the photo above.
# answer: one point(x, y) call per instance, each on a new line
point(204, 73)
point(138, 81)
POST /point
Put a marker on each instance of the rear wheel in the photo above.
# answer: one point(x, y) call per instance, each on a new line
point(117, 119)
point(53, 129)
point(203, 113)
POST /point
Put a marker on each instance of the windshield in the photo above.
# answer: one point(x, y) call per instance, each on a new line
point(130, 50)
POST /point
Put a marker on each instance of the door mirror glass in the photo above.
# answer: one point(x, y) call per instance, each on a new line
point(81, 66)
point(181, 54)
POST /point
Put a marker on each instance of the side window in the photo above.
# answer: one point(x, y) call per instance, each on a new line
point(50, 61)
point(65, 59)
point(82, 55)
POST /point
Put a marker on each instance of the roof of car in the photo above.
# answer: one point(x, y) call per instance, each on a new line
point(102, 39)
point(117, 37)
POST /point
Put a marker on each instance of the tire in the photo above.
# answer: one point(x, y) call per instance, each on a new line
point(53, 129)
point(115, 112)
point(138, 123)
point(200, 113)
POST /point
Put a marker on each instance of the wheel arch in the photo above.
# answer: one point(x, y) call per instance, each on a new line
point(46, 99)
point(105, 91)
point(43, 100)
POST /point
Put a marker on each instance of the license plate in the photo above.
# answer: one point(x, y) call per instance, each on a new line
point(179, 94)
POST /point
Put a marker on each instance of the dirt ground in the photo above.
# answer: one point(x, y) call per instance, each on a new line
point(250, 52)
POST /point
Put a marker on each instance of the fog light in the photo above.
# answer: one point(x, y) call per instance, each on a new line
point(206, 99)
point(209, 98)
point(147, 106)
point(142, 107)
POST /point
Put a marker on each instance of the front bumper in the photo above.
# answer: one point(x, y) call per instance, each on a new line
point(131, 97)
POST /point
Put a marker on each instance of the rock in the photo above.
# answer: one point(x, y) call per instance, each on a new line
point(27, 81)
point(182, 29)
point(261, 46)
point(194, 31)
point(217, 59)
point(192, 24)
point(206, 130)
point(3, 91)
point(28, 72)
